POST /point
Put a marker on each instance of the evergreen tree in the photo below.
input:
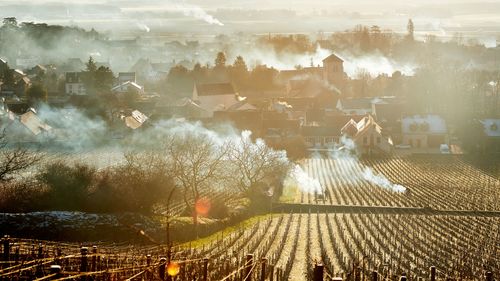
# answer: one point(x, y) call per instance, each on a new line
point(220, 60)
point(91, 65)
point(239, 63)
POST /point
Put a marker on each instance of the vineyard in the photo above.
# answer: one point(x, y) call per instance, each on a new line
point(444, 183)
point(287, 246)
point(313, 245)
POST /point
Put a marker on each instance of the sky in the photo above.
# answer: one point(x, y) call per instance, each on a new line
point(308, 15)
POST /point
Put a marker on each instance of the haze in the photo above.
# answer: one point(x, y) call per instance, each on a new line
point(468, 17)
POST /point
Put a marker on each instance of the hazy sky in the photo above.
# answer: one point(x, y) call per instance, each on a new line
point(311, 15)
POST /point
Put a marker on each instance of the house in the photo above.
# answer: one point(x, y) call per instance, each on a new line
point(350, 129)
point(126, 76)
point(181, 108)
point(368, 137)
point(321, 136)
point(18, 74)
point(74, 83)
point(33, 123)
point(366, 134)
point(215, 97)
point(128, 87)
point(135, 120)
point(388, 112)
point(388, 109)
point(315, 92)
point(241, 106)
point(275, 131)
point(37, 71)
point(427, 131)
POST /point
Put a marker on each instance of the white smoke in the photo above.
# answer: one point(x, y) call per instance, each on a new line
point(381, 181)
point(197, 12)
point(346, 151)
point(144, 27)
point(374, 64)
point(299, 178)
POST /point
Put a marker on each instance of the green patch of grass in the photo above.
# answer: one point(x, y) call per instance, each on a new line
point(225, 232)
point(290, 192)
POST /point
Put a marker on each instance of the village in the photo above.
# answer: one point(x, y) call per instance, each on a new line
point(292, 140)
point(309, 109)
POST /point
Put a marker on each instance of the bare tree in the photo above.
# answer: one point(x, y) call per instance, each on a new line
point(256, 163)
point(14, 160)
point(196, 163)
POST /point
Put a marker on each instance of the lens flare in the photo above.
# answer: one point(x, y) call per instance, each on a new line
point(203, 206)
point(173, 268)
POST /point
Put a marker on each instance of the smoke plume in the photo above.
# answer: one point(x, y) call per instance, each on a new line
point(346, 151)
point(196, 12)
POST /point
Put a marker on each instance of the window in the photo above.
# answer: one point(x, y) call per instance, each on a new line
point(365, 140)
point(378, 140)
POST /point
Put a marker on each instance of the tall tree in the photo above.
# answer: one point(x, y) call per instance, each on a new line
point(239, 73)
point(410, 28)
point(240, 64)
point(256, 163)
point(104, 78)
point(91, 65)
point(10, 22)
point(196, 162)
point(220, 60)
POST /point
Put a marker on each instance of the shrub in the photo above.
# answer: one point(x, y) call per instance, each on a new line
point(68, 185)
point(17, 197)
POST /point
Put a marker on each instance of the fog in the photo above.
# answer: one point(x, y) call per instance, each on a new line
point(189, 15)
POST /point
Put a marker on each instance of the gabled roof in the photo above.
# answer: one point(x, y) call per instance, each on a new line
point(367, 122)
point(41, 67)
point(20, 72)
point(26, 80)
point(351, 128)
point(241, 105)
point(127, 83)
point(356, 103)
point(216, 89)
point(31, 121)
point(135, 120)
point(491, 127)
point(333, 57)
